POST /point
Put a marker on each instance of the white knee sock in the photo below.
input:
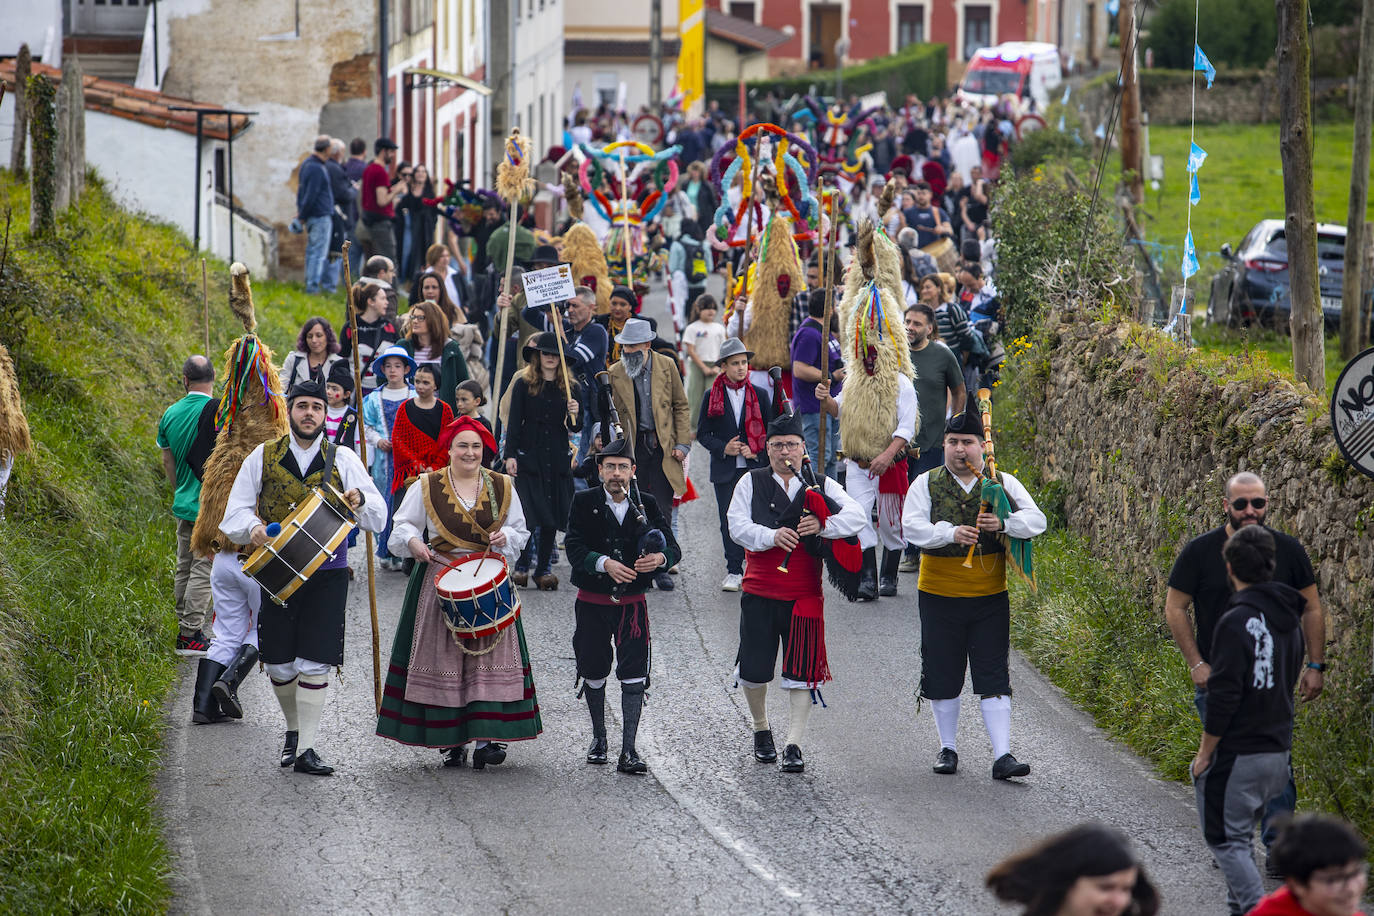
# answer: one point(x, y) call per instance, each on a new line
point(310, 703)
point(947, 721)
point(799, 702)
point(286, 696)
point(757, 697)
point(997, 718)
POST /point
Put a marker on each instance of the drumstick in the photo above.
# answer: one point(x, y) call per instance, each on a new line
point(273, 530)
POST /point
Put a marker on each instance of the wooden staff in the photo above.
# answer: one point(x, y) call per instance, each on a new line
point(205, 303)
point(502, 319)
point(557, 321)
point(989, 460)
point(362, 453)
point(821, 437)
point(748, 228)
point(625, 216)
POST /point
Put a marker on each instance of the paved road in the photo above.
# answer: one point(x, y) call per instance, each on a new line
point(867, 828)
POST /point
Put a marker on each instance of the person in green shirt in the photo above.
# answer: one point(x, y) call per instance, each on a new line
point(940, 392)
point(182, 436)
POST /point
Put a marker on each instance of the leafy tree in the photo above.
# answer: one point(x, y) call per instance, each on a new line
point(1234, 33)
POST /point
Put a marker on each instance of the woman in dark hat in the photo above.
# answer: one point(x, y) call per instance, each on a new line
point(538, 451)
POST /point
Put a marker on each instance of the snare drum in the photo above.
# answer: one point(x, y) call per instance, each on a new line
point(308, 538)
point(476, 596)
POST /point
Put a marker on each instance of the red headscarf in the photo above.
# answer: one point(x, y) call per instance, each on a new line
point(447, 434)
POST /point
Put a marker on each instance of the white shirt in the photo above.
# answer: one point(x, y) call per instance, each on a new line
point(411, 521)
point(1027, 521)
point(241, 512)
point(908, 410)
point(750, 535)
point(736, 396)
point(619, 510)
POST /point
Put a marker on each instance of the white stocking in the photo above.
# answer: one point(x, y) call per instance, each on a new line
point(997, 718)
point(947, 721)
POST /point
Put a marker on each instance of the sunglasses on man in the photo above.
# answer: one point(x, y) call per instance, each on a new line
point(1241, 504)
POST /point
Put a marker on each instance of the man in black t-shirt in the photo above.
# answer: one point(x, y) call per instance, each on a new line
point(1199, 578)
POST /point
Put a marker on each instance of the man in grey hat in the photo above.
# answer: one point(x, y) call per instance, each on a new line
point(734, 419)
point(652, 405)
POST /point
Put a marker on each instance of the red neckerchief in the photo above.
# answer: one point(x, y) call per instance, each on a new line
point(754, 432)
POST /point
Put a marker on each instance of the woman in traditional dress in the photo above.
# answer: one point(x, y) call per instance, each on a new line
point(538, 452)
point(443, 691)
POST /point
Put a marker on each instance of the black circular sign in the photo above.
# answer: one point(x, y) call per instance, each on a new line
point(1352, 412)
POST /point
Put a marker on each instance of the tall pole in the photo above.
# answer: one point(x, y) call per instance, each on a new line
point(656, 55)
point(625, 218)
point(1132, 163)
point(827, 283)
point(200, 138)
point(1300, 226)
point(383, 65)
point(1354, 328)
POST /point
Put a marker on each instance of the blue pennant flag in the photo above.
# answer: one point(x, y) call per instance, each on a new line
point(1200, 62)
point(1194, 194)
point(1065, 99)
point(1196, 157)
point(1101, 132)
point(1190, 265)
point(1113, 6)
point(1061, 124)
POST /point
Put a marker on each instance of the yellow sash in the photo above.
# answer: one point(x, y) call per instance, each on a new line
point(947, 576)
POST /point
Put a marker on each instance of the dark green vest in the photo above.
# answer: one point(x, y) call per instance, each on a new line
point(949, 503)
point(284, 486)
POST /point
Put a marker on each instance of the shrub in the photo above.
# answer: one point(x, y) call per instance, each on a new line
point(1234, 33)
point(918, 69)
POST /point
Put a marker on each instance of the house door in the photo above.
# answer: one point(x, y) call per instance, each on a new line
point(108, 17)
point(826, 29)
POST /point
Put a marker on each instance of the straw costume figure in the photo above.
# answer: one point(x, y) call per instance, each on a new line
point(251, 412)
point(583, 251)
point(14, 426)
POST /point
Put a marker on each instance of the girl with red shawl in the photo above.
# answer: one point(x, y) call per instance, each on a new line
point(415, 446)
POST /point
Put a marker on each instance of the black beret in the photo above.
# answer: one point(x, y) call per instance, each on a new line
point(965, 424)
point(309, 388)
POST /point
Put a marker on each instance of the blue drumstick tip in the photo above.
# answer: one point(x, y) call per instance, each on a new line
point(273, 530)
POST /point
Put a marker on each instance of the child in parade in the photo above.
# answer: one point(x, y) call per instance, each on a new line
point(380, 408)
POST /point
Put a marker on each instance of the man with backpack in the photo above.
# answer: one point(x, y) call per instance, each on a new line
point(690, 255)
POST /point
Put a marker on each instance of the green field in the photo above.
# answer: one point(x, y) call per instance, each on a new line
point(1241, 183)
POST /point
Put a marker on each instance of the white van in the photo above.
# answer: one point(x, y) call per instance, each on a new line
point(1028, 70)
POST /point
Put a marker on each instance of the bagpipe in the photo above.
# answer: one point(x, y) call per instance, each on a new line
point(995, 500)
point(648, 539)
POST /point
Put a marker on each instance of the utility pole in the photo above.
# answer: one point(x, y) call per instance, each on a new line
point(383, 44)
point(655, 54)
point(1132, 163)
point(1354, 321)
point(1300, 227)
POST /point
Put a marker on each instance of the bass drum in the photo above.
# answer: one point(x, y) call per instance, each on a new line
point(945, 254)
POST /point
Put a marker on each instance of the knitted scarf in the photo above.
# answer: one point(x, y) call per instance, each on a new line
point(413, 452)
point(754, 432)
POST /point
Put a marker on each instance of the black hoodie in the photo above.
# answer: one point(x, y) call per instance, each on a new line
point(1256, 658)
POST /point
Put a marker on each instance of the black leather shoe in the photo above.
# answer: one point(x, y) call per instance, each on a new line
point(792, 760)
point(630, 763)
point(455, 756)
point(1008, 767)
point(309, 762)
point(490, 753)
point(946, 762)
point(868, 576)
point(887, 588)
point(764, 749)
point(664, 582)
point(597, 752)
point(288, 748)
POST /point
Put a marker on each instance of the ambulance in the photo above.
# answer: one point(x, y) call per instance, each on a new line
point(1028, 70)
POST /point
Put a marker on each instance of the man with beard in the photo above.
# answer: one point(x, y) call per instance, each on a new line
point(301, 640)
point(1199, 578)
point(652, 405)
point(612, 573)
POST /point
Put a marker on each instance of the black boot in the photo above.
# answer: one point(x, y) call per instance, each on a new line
point(596, 706)
point(631, 705)
point(887, 583)
point(205, 708)
point(868, 575)
point(226, 688)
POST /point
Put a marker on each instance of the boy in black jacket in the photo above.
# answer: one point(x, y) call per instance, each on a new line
point(1242, 760)
point(612, 571)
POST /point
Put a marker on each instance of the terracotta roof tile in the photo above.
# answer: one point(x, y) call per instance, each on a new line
point(143, 105)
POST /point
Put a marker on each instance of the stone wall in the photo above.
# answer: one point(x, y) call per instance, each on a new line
point(1142, 434)
point(1236, 97)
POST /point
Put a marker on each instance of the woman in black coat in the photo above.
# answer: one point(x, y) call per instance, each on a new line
point(538, 453)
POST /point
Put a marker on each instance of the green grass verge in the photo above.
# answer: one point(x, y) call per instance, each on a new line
point(1270, 347)
point(98, 321)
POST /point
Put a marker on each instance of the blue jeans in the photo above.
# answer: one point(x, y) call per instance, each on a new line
point(811, 430)
point(318, 229)
point(1286, 802)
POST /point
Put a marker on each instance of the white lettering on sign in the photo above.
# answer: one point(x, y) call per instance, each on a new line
point(1352, 412)
point(552, 284)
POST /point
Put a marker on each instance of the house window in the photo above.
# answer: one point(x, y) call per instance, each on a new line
point(911, 24)
point(743, 9)
point(606, 87)
point(977, 29)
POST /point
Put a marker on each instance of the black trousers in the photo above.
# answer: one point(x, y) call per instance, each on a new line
point(764, 624)
point(601, 626)
point(311, 623)
point(964, 632)
point(734, 553)
point(649, 473)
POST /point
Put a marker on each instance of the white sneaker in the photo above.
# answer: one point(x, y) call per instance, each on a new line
point(731, 582)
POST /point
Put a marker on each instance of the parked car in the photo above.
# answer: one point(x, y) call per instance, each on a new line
point(1253, 286)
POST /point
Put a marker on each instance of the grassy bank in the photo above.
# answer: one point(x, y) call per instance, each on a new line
point(98, 321)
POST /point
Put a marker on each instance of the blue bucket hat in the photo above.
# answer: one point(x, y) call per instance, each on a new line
point(399, 352)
